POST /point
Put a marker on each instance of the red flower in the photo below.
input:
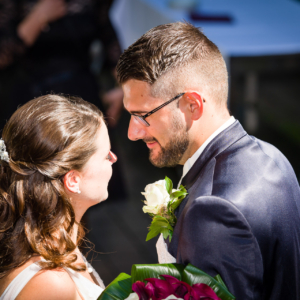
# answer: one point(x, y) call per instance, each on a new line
point(139, 288)
point(202, 291)
point(158, 289)
point(180, 288)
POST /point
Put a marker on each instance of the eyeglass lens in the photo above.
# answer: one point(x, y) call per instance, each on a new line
point(141, 121)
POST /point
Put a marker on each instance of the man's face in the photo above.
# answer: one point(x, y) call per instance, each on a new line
point(166, 137)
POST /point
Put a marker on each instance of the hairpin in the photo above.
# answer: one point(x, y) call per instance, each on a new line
point(3, 153)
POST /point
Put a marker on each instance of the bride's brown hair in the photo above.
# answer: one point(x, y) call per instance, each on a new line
point(45, 138)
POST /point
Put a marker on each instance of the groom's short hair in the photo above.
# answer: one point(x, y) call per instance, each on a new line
point(173, 46)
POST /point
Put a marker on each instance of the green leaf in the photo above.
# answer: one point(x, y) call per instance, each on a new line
point(179, 194)
point(119, 289)
point(169, 184)
point(159, 225)
point(175, 204)
point(182, 188)
point(167, 233)
point(141, 272)
point(159, 221)
point(220, 280)
point(193, 275)
point(153, 233)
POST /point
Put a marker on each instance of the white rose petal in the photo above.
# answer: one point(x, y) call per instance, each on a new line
point(150, 209)
point(161, 185)
point(159, 182)
point(156, 194)
point(153, 196)
point(172, 297)
point(132, 296)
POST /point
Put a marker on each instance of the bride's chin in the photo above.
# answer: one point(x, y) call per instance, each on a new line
point(97, 201)
point(104, 197)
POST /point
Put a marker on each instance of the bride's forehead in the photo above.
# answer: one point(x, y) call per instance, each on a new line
point(102, 139)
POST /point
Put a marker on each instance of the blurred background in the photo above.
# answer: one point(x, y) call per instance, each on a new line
point(72, 47)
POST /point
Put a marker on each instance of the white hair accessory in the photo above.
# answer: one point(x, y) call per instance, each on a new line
point(3, 153)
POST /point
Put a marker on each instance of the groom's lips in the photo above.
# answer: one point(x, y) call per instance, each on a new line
point(151, 145)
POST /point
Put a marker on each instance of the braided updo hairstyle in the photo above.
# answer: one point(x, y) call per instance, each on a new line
point(45, 138)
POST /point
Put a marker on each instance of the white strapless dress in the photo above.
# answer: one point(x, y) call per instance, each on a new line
point(88, 290)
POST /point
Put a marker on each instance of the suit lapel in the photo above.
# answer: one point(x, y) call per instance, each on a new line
point(221, 142)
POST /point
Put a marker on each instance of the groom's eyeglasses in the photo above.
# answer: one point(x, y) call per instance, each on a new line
point(141, 119)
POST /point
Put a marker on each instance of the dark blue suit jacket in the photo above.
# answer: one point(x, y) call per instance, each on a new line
point(241, 218)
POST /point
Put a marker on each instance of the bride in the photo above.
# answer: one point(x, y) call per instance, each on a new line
point(55, 162)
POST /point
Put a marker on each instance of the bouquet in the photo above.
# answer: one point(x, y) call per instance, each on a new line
point(166, 281)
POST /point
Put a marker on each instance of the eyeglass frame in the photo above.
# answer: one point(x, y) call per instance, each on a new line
point(142, 118)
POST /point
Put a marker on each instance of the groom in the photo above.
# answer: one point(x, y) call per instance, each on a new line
point(241, 216)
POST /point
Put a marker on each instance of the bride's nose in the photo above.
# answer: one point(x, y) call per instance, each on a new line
point(114, 157)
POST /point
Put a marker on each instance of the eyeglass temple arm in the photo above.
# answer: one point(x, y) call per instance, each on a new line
point(161, 106)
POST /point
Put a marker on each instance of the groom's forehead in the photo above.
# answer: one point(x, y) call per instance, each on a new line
point(133, 87)
point(138, 97)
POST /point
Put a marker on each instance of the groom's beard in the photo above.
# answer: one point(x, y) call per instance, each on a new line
point(171, 154)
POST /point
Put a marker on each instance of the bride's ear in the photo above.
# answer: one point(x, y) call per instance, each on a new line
point(72, 182)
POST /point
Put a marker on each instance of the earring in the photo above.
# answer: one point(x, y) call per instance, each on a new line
point(78, 191)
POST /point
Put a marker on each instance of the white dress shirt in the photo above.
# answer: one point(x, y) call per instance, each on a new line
point(190, 162)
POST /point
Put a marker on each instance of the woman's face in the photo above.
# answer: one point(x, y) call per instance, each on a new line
point(98, 170)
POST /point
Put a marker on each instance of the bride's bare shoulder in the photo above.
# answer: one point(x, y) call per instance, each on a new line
point(50, 285)
point(6, 280)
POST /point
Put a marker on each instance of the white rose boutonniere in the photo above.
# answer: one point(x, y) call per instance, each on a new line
point(161, 202)
point(156, 196)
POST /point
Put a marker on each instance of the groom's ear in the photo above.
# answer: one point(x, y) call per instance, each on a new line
point(193, 105)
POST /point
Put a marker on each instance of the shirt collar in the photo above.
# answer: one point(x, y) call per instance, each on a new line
point(190, 162)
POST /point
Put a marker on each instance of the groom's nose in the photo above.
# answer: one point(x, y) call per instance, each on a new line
point(136, 131)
